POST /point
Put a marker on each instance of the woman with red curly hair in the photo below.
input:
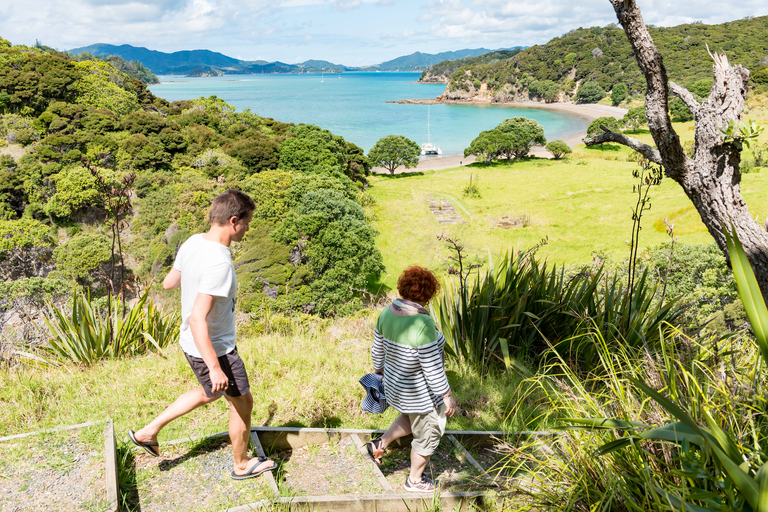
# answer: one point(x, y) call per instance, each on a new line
point(408, 352)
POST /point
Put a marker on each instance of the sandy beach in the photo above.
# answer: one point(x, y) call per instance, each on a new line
point(588, 111)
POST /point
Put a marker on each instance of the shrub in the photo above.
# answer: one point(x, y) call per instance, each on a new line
point(558, 149)
point(610, 122)
point(330, 235)
point(83, 256)
point(634, 118)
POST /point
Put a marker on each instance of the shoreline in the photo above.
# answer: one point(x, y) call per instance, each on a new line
point(587, 111)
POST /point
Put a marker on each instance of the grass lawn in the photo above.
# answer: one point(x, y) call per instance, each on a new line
point(583, 205)
point(306, 378)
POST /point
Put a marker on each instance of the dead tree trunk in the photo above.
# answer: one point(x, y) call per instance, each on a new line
point(711, 178)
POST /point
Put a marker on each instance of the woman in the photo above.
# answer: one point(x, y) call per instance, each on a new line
point(408, 352)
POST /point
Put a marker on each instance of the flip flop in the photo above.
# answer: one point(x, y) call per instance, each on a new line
point(253, 471)
point(146, 446)
point(372, 447)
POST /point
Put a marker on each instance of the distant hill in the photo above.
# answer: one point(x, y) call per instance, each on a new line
point(420, 61)
point(200, 61)
point(160, 63)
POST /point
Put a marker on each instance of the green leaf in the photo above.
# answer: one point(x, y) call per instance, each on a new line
point(614, 445)
point(762, 482)
point(608, 423)
point(749, 290)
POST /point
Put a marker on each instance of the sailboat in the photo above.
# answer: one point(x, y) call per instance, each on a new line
point(428, 148)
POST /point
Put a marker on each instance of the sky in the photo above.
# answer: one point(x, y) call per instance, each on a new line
point(347, 32)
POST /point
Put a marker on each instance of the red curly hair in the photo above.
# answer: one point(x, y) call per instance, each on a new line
point(417, 284)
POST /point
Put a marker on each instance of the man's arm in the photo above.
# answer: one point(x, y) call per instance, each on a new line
point(172, 280)
point(199, 326)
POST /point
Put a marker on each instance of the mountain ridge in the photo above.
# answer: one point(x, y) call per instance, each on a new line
point(196, 61)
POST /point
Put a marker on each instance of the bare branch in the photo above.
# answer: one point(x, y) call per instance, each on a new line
point(650, 62)
point(685, 95)
point(644, 149)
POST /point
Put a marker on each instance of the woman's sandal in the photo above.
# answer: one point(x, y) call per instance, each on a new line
point(373, 448)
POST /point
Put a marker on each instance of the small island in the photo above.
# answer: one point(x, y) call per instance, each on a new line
point(205, 73)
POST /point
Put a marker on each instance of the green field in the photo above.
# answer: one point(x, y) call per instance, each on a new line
point(583, 205)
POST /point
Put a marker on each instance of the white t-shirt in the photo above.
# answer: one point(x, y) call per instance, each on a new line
point(206, 267)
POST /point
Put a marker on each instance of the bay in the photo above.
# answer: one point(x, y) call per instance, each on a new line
point(354, 105)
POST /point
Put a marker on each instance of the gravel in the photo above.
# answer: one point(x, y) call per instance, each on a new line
point(48, 472)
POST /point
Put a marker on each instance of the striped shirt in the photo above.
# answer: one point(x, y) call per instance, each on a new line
point(410, 351)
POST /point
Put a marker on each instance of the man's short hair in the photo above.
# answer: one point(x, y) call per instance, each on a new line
point(232, 203)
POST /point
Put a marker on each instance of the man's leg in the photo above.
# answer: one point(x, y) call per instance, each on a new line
point(240, 409)
point(187, 402)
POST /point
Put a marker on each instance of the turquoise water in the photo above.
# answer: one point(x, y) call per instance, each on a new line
point(354, 105)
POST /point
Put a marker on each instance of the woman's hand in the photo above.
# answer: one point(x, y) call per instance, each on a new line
point(450, 405)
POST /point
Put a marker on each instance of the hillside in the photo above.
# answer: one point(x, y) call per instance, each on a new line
point(421, 61)
point(77, 134)
point(197, 61)
point(442, 71)
point(554, 71)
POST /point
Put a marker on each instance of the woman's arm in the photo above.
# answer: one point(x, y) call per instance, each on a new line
point(377, 352)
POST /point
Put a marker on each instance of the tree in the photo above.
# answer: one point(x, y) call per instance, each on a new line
point(546, 90)
point(711, 177)
point(634, 118)
point(313, 150)
point(334, 240)
point(25, 247)
point(590, 92)
point(393, 151)
point(558, 148)
point(489, 145)
point(618, 93)
point(525, 133)
point(609, 122)
point(100, 88)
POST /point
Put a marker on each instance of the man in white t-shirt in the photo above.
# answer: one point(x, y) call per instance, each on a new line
point(204, 270)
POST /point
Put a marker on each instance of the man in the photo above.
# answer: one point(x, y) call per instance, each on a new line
point(204, 270)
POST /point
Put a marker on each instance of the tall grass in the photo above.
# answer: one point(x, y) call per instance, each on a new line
point(522, 305)
point(582, 469)
point(682, 429)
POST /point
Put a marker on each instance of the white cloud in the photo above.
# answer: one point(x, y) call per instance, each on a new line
point(339, 30)
point(511, 23)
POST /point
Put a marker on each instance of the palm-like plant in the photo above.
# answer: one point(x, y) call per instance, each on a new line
point(87, 335)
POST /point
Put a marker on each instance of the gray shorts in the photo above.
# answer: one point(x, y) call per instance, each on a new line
point(427, 430)
point(232, 366)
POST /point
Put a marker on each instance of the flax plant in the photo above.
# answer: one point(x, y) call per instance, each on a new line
point(520, 306)
point(88, 334)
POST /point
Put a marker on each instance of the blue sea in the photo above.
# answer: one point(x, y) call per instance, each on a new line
point(354, 105)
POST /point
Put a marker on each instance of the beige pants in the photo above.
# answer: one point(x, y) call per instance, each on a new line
point(427, 430)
